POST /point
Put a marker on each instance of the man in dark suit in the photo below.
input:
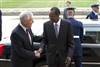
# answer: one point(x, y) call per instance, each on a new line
point(0, 25)
point(58, 38)
point(22, 51)
point(94, 13)
point(78, 36)
point(68, 4)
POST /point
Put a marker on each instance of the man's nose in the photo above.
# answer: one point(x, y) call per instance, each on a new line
point(32, 21)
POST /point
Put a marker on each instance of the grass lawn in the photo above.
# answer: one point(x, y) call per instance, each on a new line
point(44, 3)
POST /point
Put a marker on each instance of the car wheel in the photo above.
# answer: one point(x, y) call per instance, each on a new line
point(41, 64)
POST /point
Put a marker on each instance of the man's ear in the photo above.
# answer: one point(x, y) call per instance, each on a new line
point(74, 13)
point(24, 21)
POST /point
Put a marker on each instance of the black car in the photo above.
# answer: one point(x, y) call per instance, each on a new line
point(90, 46)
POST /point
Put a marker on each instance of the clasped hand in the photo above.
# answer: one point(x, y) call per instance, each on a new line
point(37, 53)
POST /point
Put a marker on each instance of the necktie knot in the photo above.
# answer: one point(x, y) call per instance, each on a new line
point(56, 24)
point(26, 31)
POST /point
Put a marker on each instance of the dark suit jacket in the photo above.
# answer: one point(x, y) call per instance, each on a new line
point(77, 31)
point(92, 16)
point(22, 52)
point(0, 25)
point(64, 44)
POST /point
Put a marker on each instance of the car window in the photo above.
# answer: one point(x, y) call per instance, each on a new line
point(92, 37)
point(92, 32)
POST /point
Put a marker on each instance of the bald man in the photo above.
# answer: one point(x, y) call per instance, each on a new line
point(78, 36)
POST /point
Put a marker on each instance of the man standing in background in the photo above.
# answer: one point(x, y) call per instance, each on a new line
point(68, 4)
point(0, 25)
point(78, 36)
point(94, 13)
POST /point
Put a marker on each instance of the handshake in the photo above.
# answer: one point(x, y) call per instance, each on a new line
point(38, 53)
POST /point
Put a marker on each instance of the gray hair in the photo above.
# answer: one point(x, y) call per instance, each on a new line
point(25, 15)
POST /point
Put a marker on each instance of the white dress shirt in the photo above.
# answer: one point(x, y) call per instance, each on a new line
point(95, 13)
point(25, 32)
point(58, 23)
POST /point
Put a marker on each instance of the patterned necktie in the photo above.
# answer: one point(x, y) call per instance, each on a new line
point(27, 32)
point(56, 29)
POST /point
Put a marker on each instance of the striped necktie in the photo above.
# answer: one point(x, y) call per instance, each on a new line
point(28, 35)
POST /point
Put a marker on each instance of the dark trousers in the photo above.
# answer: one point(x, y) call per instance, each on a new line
point(77, 60)
point(57, 62)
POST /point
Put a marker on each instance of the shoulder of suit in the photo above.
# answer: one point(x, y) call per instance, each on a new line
point(17, 28)
point(80, 23)
point(65, 8)
point(65, 21)
point(47, 22)
point(90, 13)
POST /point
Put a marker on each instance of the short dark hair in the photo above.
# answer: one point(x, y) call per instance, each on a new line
point(68, 2)
point(57, 11)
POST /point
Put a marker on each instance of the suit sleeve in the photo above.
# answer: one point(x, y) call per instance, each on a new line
point(81, 32)
point(0, 25)
point(64, 14)
point(16, 44)
point(70, 41)
point(36, 38)
point(44, 41)
point(88, 16)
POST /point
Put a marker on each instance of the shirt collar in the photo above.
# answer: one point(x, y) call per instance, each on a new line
point(23, 27)
point(58, 23)
point(95, 13)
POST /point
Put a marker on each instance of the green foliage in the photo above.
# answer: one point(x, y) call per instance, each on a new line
point(44, 3)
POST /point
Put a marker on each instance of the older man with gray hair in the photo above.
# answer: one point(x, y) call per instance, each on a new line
point(22, 51)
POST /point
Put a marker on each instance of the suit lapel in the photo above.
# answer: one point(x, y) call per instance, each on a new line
point(61, 29)
point(31, 34)
point(52, 29)
point(24, 34)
